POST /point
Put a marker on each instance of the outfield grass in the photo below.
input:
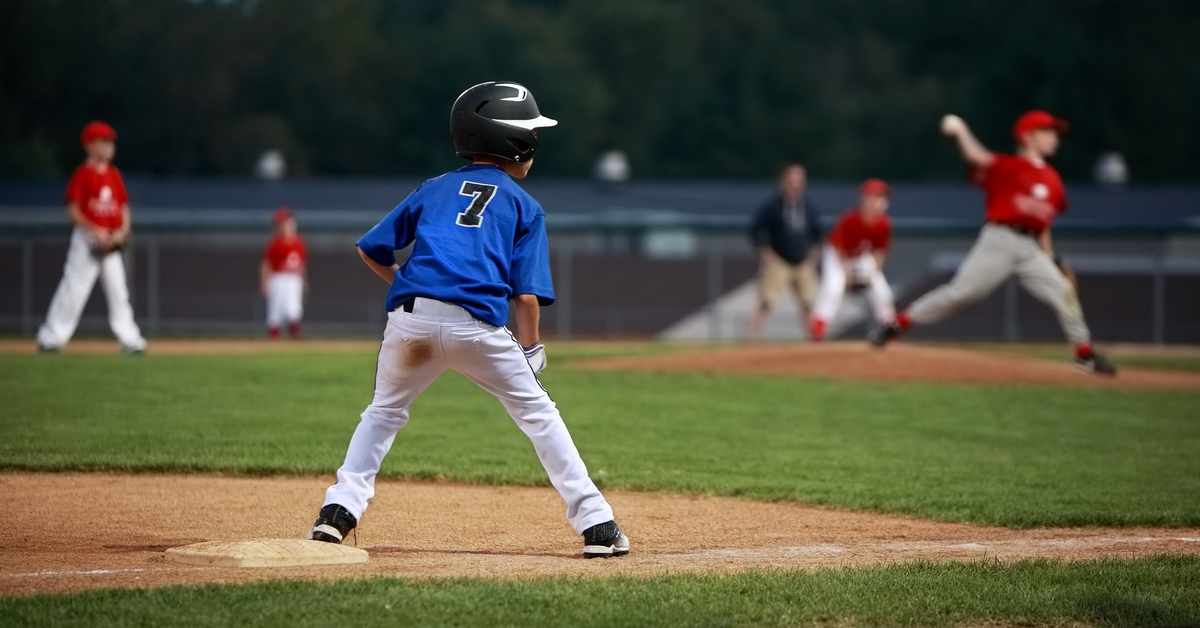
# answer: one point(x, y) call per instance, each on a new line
point(1159, 591)
point(1015, 456)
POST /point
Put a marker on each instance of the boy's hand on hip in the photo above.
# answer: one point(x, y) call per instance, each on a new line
point(536, 356)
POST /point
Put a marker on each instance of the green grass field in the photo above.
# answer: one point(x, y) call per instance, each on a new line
point(1159, 591)
point(1014, 456)
point(1006, 455)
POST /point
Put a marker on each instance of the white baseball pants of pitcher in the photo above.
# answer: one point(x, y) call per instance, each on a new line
point(79, 277)
point(417, 348)
point(285, 299)
point(833, 285)
point(998, 253)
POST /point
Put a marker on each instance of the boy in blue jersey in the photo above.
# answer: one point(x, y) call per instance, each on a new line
point(480, 242)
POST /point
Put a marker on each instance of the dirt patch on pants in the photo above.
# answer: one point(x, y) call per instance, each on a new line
point(79, 531)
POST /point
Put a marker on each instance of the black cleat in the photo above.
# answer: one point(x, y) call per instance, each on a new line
point(1095, 363)
point(884, 334)
point(604, 540)
point(333, 524)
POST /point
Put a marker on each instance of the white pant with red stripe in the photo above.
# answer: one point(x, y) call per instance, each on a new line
point(833, 285)
point(79, 277)
point(417, 348)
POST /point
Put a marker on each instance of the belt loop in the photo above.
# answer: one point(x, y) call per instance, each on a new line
point(407, 306)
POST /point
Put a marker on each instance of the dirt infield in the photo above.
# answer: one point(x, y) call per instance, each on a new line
point(900, 362)
point(80, 531)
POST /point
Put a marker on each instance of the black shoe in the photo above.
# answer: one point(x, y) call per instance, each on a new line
point(1095, 363)
point(884, 333)
point(333, 524)
point(47, 348)
point(604, 540)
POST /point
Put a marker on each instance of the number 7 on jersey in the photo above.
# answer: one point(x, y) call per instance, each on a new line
point(481, 194)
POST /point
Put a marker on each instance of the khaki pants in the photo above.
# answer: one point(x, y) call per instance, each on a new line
point(776, 275)
point(998, 253)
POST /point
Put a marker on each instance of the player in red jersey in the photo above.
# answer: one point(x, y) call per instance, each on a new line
point(284, 274)
point(853, 257)
point(98, 207)
point(1023, 194)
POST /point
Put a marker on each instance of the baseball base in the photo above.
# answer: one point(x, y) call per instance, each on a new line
point(266, 553)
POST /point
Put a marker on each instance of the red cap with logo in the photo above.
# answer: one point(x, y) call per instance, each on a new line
point(97, 130)
point(874, 186)
point(282, 214)
point(1036, 119)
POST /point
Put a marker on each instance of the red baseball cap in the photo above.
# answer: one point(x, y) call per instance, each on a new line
point(874, 186)
point(1037, 119)
point(97, 130)
point(282, 214)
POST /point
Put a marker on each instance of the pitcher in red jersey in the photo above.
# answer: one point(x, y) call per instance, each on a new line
point(1023, 195)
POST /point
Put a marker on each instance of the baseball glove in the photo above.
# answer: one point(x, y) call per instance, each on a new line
point(1067, 272)
point(115, 242)
point(859, 280)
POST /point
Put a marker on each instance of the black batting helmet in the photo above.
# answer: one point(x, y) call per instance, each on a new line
point(497, 119)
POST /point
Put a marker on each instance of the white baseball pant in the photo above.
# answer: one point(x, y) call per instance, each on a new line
point(79, 277)
point(833, 285)
point(417, 347)
point(285, 299)
point(998, 253)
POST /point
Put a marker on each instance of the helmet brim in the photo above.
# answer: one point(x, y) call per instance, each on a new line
point(539, 122)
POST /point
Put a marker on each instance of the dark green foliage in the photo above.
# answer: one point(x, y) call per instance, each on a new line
point(1158, 591)
point(706, 88)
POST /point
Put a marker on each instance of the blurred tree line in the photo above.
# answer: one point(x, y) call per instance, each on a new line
point(725, 88)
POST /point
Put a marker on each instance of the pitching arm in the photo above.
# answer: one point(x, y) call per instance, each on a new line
point(973, 151)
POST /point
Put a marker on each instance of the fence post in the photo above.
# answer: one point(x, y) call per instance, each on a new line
point(1012, 331)
point(562, 318)
point(1159, 331)
point(715, 263)
point(152, 297)
point(27, 286)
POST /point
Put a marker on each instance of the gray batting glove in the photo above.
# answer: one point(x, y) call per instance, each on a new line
point(536, 355)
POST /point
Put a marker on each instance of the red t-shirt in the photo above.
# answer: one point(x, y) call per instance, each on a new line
point(100, 195)
point(286, 255)
point(1020, 192)
point(853, 237)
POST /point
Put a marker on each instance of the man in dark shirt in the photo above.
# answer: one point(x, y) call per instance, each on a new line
point(788, 237)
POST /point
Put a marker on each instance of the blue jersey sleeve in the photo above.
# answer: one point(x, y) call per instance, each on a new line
point(530, 272)
point(394, 232)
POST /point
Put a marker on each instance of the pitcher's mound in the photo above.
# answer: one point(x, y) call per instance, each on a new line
point(266, 553)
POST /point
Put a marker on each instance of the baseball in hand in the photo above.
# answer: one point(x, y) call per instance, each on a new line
point(952, 124)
